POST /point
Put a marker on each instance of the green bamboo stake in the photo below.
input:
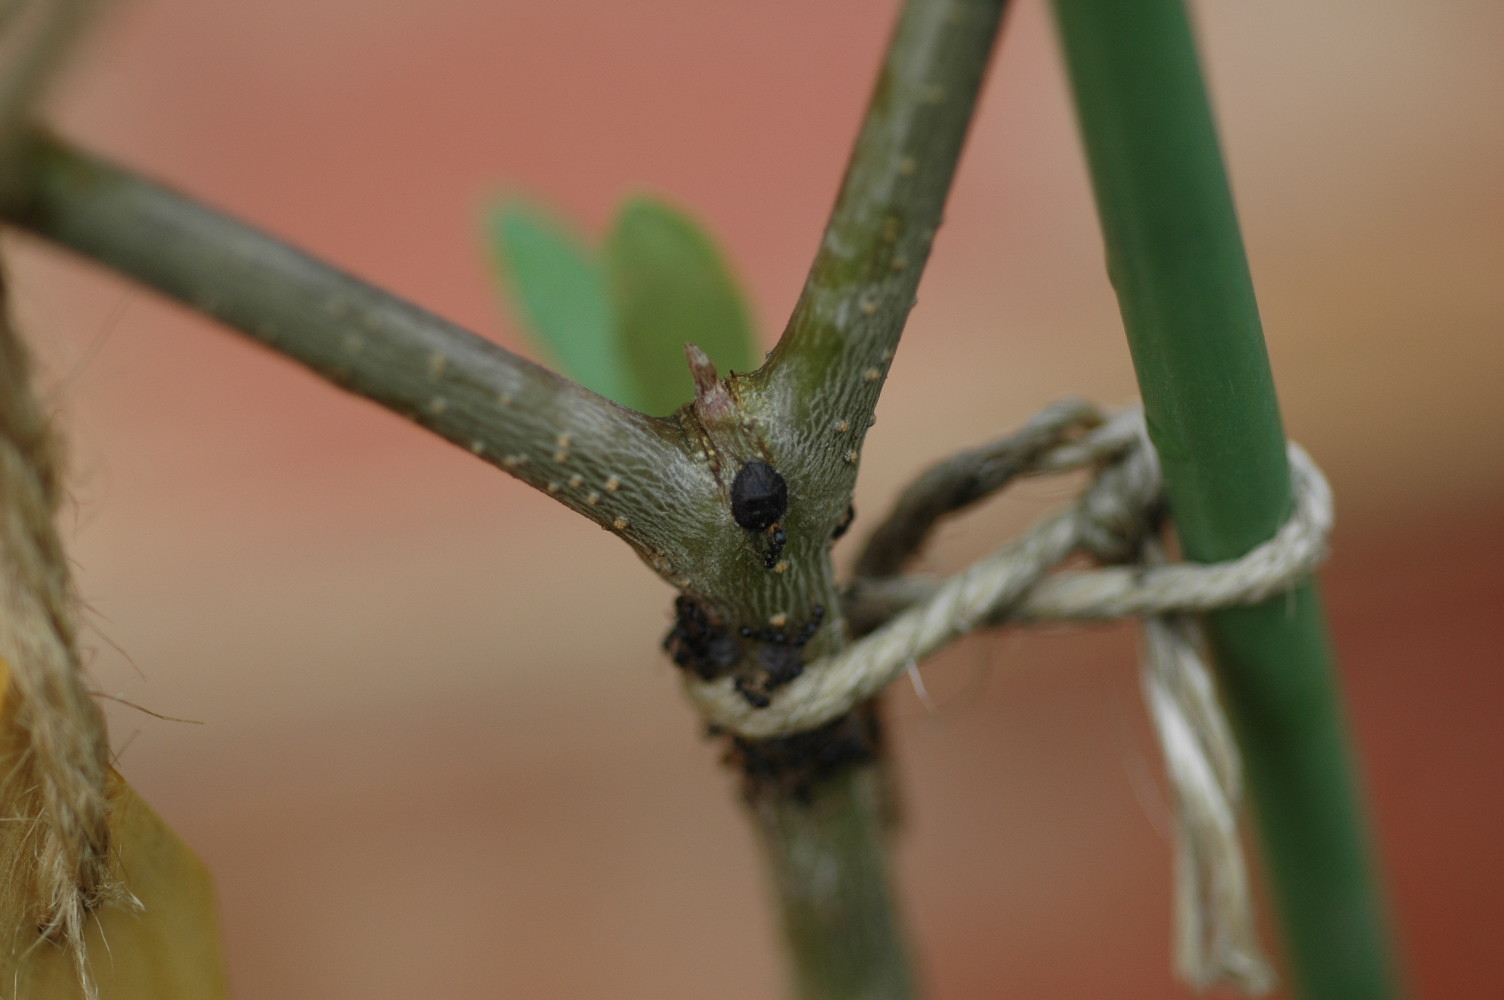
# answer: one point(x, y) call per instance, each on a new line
point(1176, 260)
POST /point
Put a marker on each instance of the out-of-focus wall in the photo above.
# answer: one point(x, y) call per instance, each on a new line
point(441, 754)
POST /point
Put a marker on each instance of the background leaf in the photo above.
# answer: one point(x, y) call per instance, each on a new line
point(670, 286)
point(560, 289)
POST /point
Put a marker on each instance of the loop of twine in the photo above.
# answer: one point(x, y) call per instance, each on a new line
point(1113, 520)
point(1016, 583)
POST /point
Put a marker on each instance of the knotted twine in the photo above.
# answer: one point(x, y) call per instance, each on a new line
point(54, 829)
point(1114, 521)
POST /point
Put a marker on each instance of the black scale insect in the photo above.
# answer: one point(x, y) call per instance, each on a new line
point(759, 498)
point(781, 657)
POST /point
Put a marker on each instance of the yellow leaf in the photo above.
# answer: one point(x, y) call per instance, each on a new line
point(168, 949)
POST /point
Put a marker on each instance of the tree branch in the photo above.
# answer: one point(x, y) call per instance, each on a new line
point(825, 375)
point(630, 473)
point(840, 922)
point(811, 406)
point(663, 484)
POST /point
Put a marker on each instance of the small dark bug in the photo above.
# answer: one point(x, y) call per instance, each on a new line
point(759, 497)
point(777, 539)
point(781, 658)
point(845, 523)
point(698, 641)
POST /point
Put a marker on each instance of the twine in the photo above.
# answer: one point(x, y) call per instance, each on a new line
point(55, 841)
point(1017, 583)
point(1113, 521)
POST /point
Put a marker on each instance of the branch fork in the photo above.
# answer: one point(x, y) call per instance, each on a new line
point(663, 485)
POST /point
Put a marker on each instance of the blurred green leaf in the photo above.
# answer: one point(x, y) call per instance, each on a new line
point(670, 286)
point(560, 289)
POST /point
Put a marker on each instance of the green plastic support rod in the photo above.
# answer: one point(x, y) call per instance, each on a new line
point(1176, 261)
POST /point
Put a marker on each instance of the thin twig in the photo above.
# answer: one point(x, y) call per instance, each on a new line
point(626, 471)
point(828, 368)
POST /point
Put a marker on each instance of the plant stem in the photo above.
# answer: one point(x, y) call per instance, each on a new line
point(825, 839)
point(808, 412)
point(864, 957)
point(825, 375)
point(538, 426)
point(1176, 260)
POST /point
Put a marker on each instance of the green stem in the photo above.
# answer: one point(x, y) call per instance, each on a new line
point(1177, 263)
point(824, 377)
point(825, 840)
point(799, 839)
point(536, 425)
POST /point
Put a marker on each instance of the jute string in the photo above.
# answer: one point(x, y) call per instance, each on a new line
point(1114, 521)
point(55, 829)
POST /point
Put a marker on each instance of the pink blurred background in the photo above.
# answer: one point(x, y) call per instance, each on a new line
point(441, 754)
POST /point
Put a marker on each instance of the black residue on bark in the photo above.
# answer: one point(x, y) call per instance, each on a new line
point(844, 524)
point(793, 766)
point(788, 767)
point(779, 659)
point(762, 659)
point(699, 642)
